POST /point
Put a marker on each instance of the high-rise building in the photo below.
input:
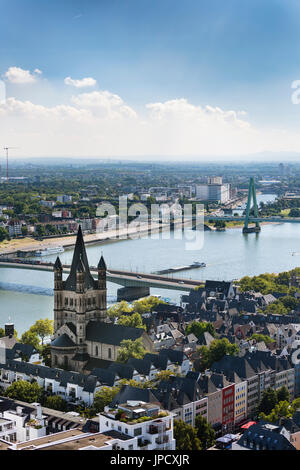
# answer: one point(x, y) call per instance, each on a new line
point(212, 191)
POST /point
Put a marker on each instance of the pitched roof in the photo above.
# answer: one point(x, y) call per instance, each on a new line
point(108, 333)
point(80, 258)
point(132, 393)
point(63, 341)
point(265, 436)
point(173, 355)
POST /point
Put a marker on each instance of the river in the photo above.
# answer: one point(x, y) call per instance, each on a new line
point(26, 296)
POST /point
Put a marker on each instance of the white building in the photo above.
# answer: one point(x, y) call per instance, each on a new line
point(8, 430)
point(64, 198)
point(22, 428)
point(213, 192)
point(154, 433)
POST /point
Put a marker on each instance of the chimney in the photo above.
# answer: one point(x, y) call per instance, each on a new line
point(39, 414)
point(19, 410)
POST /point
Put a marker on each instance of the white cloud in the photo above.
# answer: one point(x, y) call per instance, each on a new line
point(104, 103)
point(83, 83)
point(100, 123)
point(20, 76)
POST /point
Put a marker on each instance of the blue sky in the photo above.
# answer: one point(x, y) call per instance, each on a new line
point(233, 55)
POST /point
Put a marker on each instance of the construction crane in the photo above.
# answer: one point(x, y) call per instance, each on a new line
point(6, 150)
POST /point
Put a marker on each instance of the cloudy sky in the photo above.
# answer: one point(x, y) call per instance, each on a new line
point(150, 78)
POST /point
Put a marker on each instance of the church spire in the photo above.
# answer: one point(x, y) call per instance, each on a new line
point(79, 259)
point(101, 264)
point(57, 264)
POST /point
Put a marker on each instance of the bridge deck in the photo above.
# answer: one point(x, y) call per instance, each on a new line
point(120, 277)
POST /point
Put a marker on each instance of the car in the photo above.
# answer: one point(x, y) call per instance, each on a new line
point(139, 277)
point(180, 282)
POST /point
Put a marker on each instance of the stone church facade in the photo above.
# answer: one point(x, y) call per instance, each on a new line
point(83, 336)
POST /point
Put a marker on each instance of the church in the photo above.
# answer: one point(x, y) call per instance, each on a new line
point(84, 337)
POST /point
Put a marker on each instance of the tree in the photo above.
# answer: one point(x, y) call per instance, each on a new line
point(260, 337)
point(205, 432)
point(220, 224)
point(147, 304)
point(294, 212)
point(133, 321)
point(131, 348)
point(45, 352)
point(3, 234)
point(268, 401)
point(284, 278)
point(40, 230)
point(25, 391)
point(283, 394)
point(104, 397)
point(186, 436)
point(55, 402)
point(217, 349)
point(43, 328)
point(30, 337)
point(118, 309)
point(135, 383)
point(277, 308)
point(198, 328)
point(281, 409)
point(24, 230)
point(164, 375)
point(289, 302)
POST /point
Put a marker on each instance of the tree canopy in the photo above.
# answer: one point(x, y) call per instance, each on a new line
point(215, 352)
point(104, 397)
point(134, 321)
point(25, 391)
point(43, 328)
point(186, 436)
point(198, 328)
point(205, 432)
point(131, 348)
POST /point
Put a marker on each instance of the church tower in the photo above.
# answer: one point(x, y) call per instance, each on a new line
point(77, 301)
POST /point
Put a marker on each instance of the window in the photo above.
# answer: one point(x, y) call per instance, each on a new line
point(109, 353)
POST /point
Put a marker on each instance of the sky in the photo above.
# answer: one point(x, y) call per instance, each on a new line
point(171, 79)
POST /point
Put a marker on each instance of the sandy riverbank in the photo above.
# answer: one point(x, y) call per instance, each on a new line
point(29, 244)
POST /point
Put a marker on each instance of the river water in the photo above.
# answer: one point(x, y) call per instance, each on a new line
point(26, 296)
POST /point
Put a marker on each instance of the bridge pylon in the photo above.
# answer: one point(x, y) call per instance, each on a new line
point(251, 196)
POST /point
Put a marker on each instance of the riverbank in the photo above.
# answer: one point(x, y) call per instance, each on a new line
point(29, 244)
point(238, 224)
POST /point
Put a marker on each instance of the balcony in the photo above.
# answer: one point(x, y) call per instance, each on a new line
point(157, 429)
point(143, 443)
point(162, 440)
